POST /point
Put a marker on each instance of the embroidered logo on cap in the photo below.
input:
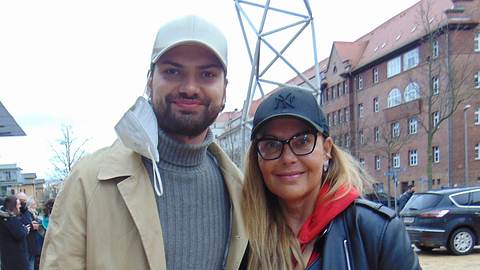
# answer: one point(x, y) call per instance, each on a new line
point(285, 102)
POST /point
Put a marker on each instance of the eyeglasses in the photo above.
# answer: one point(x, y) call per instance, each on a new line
point(270, 148)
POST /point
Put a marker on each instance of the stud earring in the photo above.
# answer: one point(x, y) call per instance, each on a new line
point(325, 165)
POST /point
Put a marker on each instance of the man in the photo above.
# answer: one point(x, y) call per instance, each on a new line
point(120, 209)
point(28, 219)
point(403, 199)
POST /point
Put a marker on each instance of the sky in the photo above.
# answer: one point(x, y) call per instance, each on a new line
point(83, 63)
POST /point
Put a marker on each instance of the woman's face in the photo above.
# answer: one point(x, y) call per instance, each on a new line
point(293, 178)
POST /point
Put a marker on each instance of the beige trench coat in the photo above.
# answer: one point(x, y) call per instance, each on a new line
point(101, 221)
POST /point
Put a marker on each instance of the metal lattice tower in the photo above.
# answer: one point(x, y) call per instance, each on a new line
point(289, 26)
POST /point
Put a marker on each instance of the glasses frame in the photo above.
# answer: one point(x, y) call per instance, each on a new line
point(287, 141)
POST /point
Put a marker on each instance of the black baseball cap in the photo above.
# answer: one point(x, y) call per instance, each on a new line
point(290, 101)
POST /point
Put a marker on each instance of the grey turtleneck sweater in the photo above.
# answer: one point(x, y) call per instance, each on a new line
point(194, 209)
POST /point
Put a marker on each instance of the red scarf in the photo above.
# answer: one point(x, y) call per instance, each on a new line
point(325, 211)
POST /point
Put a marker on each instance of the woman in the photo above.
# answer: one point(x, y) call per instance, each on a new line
point(34, 238)
point(13, 234)
point(302, 205)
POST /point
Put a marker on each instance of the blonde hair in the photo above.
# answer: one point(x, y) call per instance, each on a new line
point(272, 243)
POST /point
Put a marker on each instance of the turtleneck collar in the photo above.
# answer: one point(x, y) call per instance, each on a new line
point(181, 154)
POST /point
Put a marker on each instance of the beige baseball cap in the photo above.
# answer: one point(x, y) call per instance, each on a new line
point(190, 30)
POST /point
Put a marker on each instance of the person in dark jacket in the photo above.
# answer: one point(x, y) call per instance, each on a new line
point(302, 201)
point(13, 234)
point(402, 201)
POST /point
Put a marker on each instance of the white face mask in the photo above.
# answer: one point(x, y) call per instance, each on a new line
point(138, 130)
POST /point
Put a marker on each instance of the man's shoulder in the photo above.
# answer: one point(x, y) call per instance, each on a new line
point(366, 207)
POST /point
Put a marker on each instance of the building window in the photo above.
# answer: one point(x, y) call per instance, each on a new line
point(476, 43)
point(394, 66)
point(396, 160)
point(362, 162)
point(435, 85)
point(376, 105)
point(360, 110)
point(394, 98)
point(477, 116)
point(435, 49)
point(361, 137)
point(412, 125)
point(412, 92)
point(340, 116)
point(376, 136)
point(436, 118)
point(436, 154)
point(346, 111)
point(410, 59)
point(375, 75)
point(334, 118)
point(345, 86)
point(360, 82)
point(412, 157)
point(476, 80)
point(329, 119)
point(338, 90)
point(395, 129)
point(347, 140)
point(377, 163)
point(477, 151)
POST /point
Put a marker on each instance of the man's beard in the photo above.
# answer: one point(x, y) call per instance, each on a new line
point(183, 122)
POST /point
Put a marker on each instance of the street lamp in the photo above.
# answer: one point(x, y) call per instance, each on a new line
point(465, 140)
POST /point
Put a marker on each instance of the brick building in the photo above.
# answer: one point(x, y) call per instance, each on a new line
point(416, 72)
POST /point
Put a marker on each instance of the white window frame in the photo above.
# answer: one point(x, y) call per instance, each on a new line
point(340, 116)
point(477, 151)
point(362, 137)
point(435, 154)
point(435, 85)
point(412, 125)
point(376, 105)
point(334, 118)
point(476, 42)
point(412, 157)
point(394, 98)
point(362, 162)
point(412, 92)
point(395, 129)
point(476, 80)
point(477, 116)
point(360, 110)
point(347, 114)
point(435, 118)
point(394, 66)
point(347, 140)
point(376, 136)
point(435, 48)
point(411, 59)
point(377, 163)
point(375, 75)
point(396, 160)
point(360, 82)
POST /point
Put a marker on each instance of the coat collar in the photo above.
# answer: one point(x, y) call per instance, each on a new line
point(138, 195)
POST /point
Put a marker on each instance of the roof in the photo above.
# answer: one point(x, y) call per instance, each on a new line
point(9, 166)
point(448, 190)
point(401, 30)
point(8, 125)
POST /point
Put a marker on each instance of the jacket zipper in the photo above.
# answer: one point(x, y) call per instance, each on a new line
point(347, 257)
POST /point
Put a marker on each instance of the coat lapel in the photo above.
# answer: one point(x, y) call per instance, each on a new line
point(238, 238)
point(137, 193)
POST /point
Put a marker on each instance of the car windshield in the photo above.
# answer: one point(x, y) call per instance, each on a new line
point(422, 201)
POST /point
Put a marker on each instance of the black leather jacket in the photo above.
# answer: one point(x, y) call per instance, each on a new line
point(365, 236)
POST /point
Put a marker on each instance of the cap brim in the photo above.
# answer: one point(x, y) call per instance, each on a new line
point(261, 123)
point(190, 42)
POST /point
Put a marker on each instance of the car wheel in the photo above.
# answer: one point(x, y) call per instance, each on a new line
point(461, 241)
point(424, 248)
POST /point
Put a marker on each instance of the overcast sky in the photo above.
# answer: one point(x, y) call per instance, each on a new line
point(83, 63)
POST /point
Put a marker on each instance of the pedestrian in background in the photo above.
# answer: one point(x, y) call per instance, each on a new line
point(13, 236)
point(403, 199)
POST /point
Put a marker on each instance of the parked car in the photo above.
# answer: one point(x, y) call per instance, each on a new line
point(448, 217)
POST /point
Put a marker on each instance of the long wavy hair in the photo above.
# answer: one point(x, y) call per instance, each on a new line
point(273, 245)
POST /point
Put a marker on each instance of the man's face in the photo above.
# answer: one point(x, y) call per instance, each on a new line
point(188, 90)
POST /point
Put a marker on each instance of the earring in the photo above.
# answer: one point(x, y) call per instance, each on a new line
point(325, 165)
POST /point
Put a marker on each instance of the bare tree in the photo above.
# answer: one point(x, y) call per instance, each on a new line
point(69, 149)
point(445, 78)
point(385, 142)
